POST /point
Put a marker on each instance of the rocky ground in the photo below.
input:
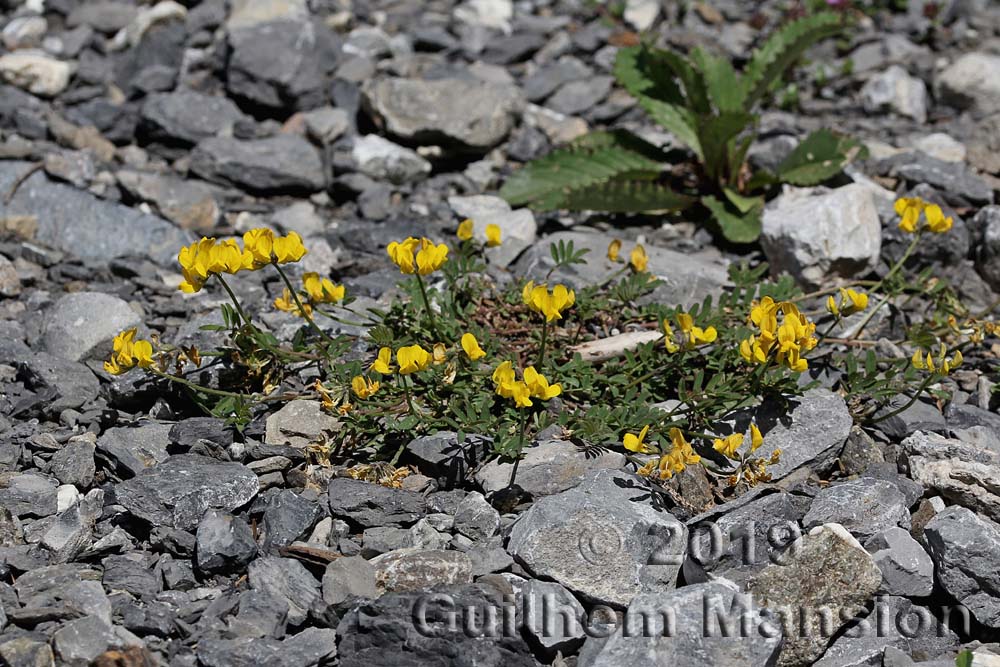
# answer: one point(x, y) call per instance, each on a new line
point(135, 532)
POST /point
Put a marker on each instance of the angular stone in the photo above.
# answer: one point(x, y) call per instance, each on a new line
point(381, 159)
point(300, 423)
point(74, 464)
point(441, 457)
point(136, 449)
point(955, 182)
point(277, 64)
point(825, 580)
point(276, 164)
point(920, 416)
point(424, 111)
point(475, 518)
point(987, 220)
point(602, 539)
point(708, 624)
point(863, 506)
point(966, 550)
point(10, 282)
point(348, 577)
point(312, 646)
point(552, 617)
point(326, 124)
point(224, 543)
point(189, 203)
point(368, 504)
point(186, 117)
point(287, 517)
point(178, 491)
point(83, 323)
point(79, 642)
point(906, 568)
point(417, 570)
point(72, 531)
point(288, 579)
point(968, 83)
point(26, 652)
point(895, 90)
point(961, 472)
point(27, 494)
point(72, 384)
point(842, 241)
point(548, 467)
point(36, 72)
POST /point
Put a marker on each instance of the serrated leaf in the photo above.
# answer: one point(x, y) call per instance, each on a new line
point(677, 120)
point(626, 196)
point(782, 49)
point(590, 161)
point(820, 156)
point(715, 134)
point(735, 226)
point(722, 83)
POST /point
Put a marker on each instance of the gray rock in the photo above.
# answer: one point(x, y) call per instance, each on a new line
point(36, 72)
point(941, 146)
point(186, 117)
point(921, 416)
point(826, 579)
point(79, 642)
point(72, 531)
point(957, 184)
point(602, 540)
point(967, 83)
point(82, 324)
point(248, 13)
point(276, 64)
point(895, 90)
point(891, 49)
point(369, 504)
point(132, 573)
point(348, 577)
point(178, 491)
point(518, 229)
point(441, 457)
point(288, 579)
point(105, 16)
point(26, 652)
point(136, 449)
point(224, 544)
point(325, 125)
point(707, 624)
point(63, 590)
point(906, 568)
point(191, 204)
point(577, 97)
point(958, 471)
point(312, 646)
point(10, 283)
point(545, 80)
point(412, 628)
point(287, 517)
point(300, 423)
point(688, 278)
point(842, 242)
point(475, 518)
point(74, 464)
point(895, 622)
point(383, 160)
point(548, 467)
point(27, 494)
point(424, 111)
point(284, 162)
point(966, 552)
point(552, 617)
point(987, 220)
point(72, 385)
point(381, 539)
point(79, 223)
point(863, 506)
point(416, 570)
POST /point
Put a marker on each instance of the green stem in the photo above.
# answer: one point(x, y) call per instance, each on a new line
point(198, 387)
point(427, 307)
point(541, 347)
point(913, 399)
point(520, 448)
point(298, 303)
point(232, 297)
point(869, 316)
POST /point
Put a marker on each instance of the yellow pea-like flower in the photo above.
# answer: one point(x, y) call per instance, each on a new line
point(364, 387)
point(430, 257)
point(493, 235)
point(289, 248)
point(756, 439)
point(638, 258)
point(936, 220)
point(614, 248)
point(465, 228)
point(402, 254)
point(539, 386)
point(382, 361)
point(286, 302)
point(258, 245)
point(909, 210)
point(412, 359)
point(322, 290)
point(638, 444)
point(471, 347)
point(727, 446)
point(127, 352)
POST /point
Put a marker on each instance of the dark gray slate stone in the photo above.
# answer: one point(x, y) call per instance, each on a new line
point(288, 579)
point(442, 457)
point(27, 494)
point(281, 163)
point(863, 506)
point(224, 543)
point(178, 491)
point(956, 183)
point(186, 117)
point(371, 505)
point(287, 517)
point(135, 449)
point(906, 567)
point(312, 646)
point(74, 464)
point(72, 385)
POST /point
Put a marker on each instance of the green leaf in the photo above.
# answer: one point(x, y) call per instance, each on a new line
point(722, 83)
point(627, 196)
point(735, 226)
point(715, 134)
point(782, 49)
point(591, 161)
point(964, 659)
point(742, 204)
point(820, 156)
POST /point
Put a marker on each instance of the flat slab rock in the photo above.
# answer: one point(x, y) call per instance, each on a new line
point(548, 467)
point(961, 472)
point(178, 491)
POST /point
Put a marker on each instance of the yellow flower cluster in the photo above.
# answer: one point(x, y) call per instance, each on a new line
point(680, 456)
point(533, 385)
point(850, 302)
point(364, 387)
point(729, 445)
point(316, 290)
point(466, 231)
point(418, 256)
point(940, 364)
point(410, 359)
point(207, 257)
point(128, 352)
point(783, 342)
point(550, 304)
point(690, 336)
point(637, 258)
point(909, 209)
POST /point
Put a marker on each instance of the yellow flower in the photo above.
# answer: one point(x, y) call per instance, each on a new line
point(680, 456)
point(439, 353)
point(936, 221)
point(940, 364)
point(520, 393)
point(287, 303)
point(614, 248)
point(550, 304)
point(638, 444)
point(669, 337)
point(785, 341)
point(493, 235)
point(226, 257)
point(257, 247)
point(638, 258)
point(288, 248)
point(196, 262)
point(503, 377)
point(430, 257)
point(852, 302)
point(321, 290)
point(756, 439)
point(401, 253)
point(909, 210)
point(412, 358)
point(693, 335)
point(363, 387)
point(464, 232)
point(381, 363)
point(539, 386)
point(727, 446)
point(126, 352)
point(471, 347)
